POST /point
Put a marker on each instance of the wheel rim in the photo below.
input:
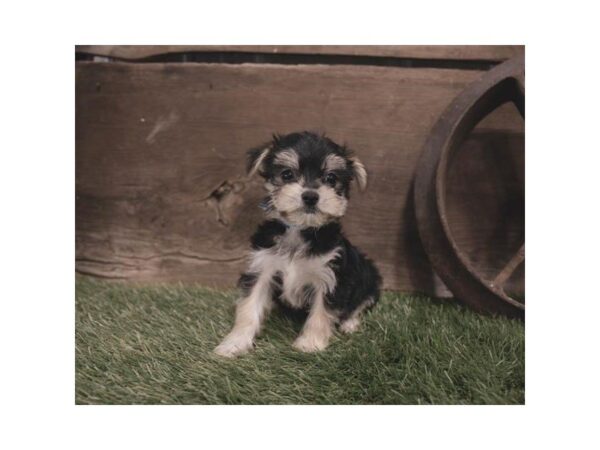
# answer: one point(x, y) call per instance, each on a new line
point(504, 83)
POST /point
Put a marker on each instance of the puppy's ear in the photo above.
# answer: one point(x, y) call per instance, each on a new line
point(359, 172)
point(256, 158)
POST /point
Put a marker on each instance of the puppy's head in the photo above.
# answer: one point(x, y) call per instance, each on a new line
point(307, 176)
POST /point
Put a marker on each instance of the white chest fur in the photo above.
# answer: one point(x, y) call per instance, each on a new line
point(302, 275)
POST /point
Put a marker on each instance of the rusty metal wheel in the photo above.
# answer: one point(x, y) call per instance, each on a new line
point(504, 83)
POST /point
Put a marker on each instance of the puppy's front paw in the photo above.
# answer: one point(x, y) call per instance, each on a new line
point(233, 346)
point(309, 342)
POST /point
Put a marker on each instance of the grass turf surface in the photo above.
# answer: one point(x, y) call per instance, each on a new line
point(153, 345)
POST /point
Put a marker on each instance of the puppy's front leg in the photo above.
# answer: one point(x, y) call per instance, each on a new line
point(318, 327)
point(249, 316)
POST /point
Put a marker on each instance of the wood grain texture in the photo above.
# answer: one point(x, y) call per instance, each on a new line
point(457, 52)
point(160, 150)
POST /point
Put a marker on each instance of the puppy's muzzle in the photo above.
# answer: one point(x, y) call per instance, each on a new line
point(310, 200)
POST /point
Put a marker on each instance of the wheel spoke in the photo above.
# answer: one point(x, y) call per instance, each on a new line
point(510, 267)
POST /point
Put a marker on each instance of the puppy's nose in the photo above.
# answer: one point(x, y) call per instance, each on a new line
point(310, 198)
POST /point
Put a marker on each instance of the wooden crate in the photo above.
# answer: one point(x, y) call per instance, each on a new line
point(160, 150)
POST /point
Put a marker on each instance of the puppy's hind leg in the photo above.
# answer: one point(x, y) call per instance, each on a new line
point(352, 323)
point(250, 314)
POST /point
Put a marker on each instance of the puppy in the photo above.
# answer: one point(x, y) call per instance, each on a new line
point(300, 258)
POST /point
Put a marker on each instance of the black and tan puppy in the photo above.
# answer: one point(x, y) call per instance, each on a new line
point(300, 257)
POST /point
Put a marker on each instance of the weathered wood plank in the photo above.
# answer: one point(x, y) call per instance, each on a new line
point(457, 52)
point(155, 141)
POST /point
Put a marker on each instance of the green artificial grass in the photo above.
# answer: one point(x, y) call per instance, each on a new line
point(153, 345)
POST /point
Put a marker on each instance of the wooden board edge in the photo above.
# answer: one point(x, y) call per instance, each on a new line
point(446, 52)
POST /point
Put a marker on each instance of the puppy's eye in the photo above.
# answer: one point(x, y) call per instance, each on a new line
point(287, 175)
point(331, 179)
